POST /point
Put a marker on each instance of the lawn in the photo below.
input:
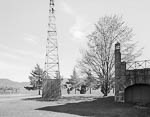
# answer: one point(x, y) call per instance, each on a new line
point(70, 106)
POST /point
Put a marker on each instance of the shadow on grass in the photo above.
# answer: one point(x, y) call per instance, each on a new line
point(92, 106)
point(100, 107)
point(34, 99)
point(63, 98)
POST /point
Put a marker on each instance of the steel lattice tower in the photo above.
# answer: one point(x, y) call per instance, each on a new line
point(52, 58)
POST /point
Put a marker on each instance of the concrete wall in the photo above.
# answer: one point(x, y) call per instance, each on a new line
point(137, 76)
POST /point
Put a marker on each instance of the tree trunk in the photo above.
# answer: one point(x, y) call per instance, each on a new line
point(106, 83)
point(104, 88)
point(106, 91)
point(90, 91)
point(39, 92)
point(105, 94)
point(113, 90)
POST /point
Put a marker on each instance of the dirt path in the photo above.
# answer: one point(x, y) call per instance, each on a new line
point(68, 106)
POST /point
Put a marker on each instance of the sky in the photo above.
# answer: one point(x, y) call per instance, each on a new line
point(24, 24)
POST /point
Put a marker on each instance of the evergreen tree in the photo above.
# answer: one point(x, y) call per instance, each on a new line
point(74, 82)
point(36, 77)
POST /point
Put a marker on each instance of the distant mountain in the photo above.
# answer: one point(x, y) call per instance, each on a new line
point(10, 83)
point(17, 85)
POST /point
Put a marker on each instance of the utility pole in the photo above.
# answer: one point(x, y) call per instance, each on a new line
point(52, 82)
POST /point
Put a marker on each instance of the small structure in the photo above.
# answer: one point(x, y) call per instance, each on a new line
point(51, 89)
point(132, 80)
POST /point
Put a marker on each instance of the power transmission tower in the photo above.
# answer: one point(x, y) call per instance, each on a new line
point(52, 83)
point(52, 59)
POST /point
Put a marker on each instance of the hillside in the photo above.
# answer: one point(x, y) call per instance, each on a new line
point(9, 83)
point(12, 84)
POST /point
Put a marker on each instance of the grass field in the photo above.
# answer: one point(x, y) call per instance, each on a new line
point(68, 106)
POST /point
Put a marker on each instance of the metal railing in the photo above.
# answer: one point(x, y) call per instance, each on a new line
point(138, 65)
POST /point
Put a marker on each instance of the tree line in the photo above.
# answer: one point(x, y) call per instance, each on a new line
point(8, 90)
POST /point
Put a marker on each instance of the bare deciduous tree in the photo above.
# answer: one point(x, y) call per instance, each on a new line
point(99, 56)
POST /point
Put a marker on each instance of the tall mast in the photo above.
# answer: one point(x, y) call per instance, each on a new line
point(52, 58)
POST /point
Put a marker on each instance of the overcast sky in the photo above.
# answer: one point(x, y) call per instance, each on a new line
point(23, 31)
